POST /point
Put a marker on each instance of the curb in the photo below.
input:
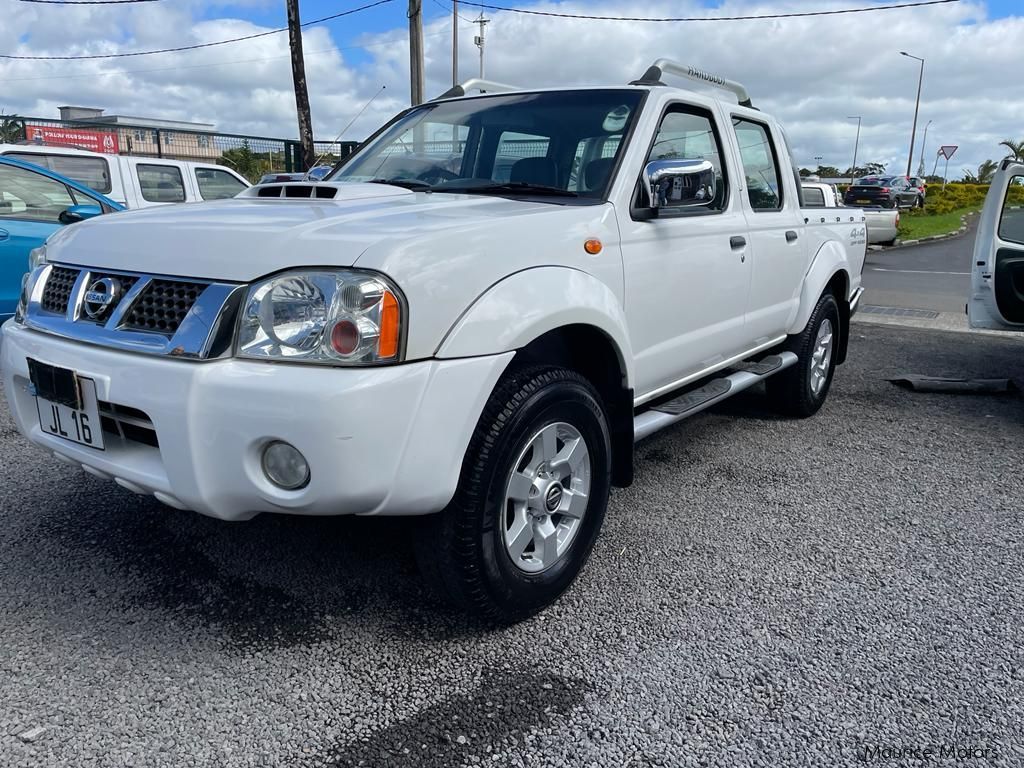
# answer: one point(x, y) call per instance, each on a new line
point(929, 239)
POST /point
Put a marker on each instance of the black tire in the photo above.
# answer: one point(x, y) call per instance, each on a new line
point(919, 202)
point(895, 203)
point(791, 391)
point(461, 550)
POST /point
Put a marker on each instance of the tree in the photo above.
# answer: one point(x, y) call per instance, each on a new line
point(871, 169)
point(805, 172)
point(984, 175)
point(242, 160)
point(827, 172)
point(1016, 149)
point(12, 129)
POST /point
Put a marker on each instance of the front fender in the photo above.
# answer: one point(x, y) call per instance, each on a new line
point(830, 260)
point(523, 306)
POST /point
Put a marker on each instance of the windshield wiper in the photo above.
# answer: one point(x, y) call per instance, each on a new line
point(413, 184)
point(508, 187)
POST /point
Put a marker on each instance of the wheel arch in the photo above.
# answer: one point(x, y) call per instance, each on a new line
point(563, 317)
point(829, 272)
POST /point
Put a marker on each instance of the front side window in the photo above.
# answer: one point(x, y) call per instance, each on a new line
point(502, 144)
point(760, 164)
point(32, 196)
point(215, 184)
point(161, 183)
point(688, 133)
point(92, 172)
point(1011, 223)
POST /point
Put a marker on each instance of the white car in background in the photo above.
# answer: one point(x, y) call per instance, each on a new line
point(883, 223)
point(997, 272)
point(131, 180)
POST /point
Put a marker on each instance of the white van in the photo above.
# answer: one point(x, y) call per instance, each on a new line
point(135, 182)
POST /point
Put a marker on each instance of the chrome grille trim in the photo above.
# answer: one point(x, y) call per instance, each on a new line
point(201, 335)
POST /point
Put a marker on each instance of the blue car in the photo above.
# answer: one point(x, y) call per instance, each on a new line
point(35, 203)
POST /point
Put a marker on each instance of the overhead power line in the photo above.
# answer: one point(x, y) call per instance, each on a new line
point(799, 14)
point(87, 2)
point(196, 46)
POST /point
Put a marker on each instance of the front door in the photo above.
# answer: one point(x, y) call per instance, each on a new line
point(687, 272)
point(30, 204)
point(997, 271)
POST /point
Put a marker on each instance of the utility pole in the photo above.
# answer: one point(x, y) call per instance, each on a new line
point(856, 145)
point(917, 107)
point(479, 40)
point(416, 51)
point(299, 81)
point(455, 43)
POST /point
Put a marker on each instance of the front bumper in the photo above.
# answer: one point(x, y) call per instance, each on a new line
point(386, 441)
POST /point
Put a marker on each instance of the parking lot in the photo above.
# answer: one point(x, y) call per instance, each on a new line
point(768, 592)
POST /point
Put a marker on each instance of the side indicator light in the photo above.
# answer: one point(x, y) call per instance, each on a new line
point(593, 246)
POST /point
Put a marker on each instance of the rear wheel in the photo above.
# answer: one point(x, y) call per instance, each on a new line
point(531, 498)
point(801, 389)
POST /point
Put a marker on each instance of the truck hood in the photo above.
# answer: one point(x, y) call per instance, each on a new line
point(245, 238)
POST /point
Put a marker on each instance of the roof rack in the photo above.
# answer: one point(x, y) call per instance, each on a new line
point(654, 72)
point(485, 86)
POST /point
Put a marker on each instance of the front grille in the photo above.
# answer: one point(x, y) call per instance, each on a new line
point(128, 423)
point(58, 289)
point(162, 306)
point(124, 281)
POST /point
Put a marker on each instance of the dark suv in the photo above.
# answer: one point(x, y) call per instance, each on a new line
point(886, 191)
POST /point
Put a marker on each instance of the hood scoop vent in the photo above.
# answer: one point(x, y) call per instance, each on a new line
point(302, 191)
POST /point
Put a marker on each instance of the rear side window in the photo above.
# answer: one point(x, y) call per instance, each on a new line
point(215, 184)
point(813, 198)
point(92, 172)
point(161, 183)
point(760, 165)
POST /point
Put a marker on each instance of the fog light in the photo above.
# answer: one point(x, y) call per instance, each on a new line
point(284, 466)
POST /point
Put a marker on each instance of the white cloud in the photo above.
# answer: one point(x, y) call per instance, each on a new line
point(810, 72)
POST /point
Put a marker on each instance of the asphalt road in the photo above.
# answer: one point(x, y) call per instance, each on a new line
point(768, 593)
point(935, 275)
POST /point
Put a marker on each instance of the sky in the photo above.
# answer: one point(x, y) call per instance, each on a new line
point(811, 73)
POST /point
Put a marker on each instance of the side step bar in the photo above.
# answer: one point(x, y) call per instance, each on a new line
point(744, 376)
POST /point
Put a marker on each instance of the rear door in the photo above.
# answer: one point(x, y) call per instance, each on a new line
point(997, 272)
point(775, 225)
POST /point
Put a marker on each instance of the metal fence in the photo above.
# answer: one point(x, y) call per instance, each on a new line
point(252, 156)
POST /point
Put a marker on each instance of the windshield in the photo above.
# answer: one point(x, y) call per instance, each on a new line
point(560, 144)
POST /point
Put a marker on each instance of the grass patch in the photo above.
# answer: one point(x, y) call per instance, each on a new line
point(914, 226)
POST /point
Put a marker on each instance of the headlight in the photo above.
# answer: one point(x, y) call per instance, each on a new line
point(36, 258)
point(342, 317)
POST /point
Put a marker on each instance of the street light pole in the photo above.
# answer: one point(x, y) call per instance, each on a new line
point(924, 146)
point(856, 144)
point(917, 106)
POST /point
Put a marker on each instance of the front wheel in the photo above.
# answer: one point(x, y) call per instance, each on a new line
point(801, 389)
point(531, 498)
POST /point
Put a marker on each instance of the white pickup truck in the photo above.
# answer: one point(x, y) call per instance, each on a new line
point(473, 319)
point(997, 273)
point(134, 181)
point(883, 223)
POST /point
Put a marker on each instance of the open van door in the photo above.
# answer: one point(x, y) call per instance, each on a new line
point(997, 272)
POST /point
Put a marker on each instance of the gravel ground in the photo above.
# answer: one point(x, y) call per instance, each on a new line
point(768, 593)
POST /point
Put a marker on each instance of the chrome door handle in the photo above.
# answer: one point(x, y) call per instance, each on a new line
point(737, 241)
point(791, 236)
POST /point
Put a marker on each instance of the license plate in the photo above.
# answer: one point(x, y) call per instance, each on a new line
point(67, 404)
point(863, 202)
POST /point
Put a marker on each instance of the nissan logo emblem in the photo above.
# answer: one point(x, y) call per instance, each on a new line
point(553, 497)
point(101, 295)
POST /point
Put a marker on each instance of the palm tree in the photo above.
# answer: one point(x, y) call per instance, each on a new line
point(984, 175)
point(12, 129)
point(1016, 149)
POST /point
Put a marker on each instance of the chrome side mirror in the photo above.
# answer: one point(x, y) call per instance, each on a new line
point(675, 184)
